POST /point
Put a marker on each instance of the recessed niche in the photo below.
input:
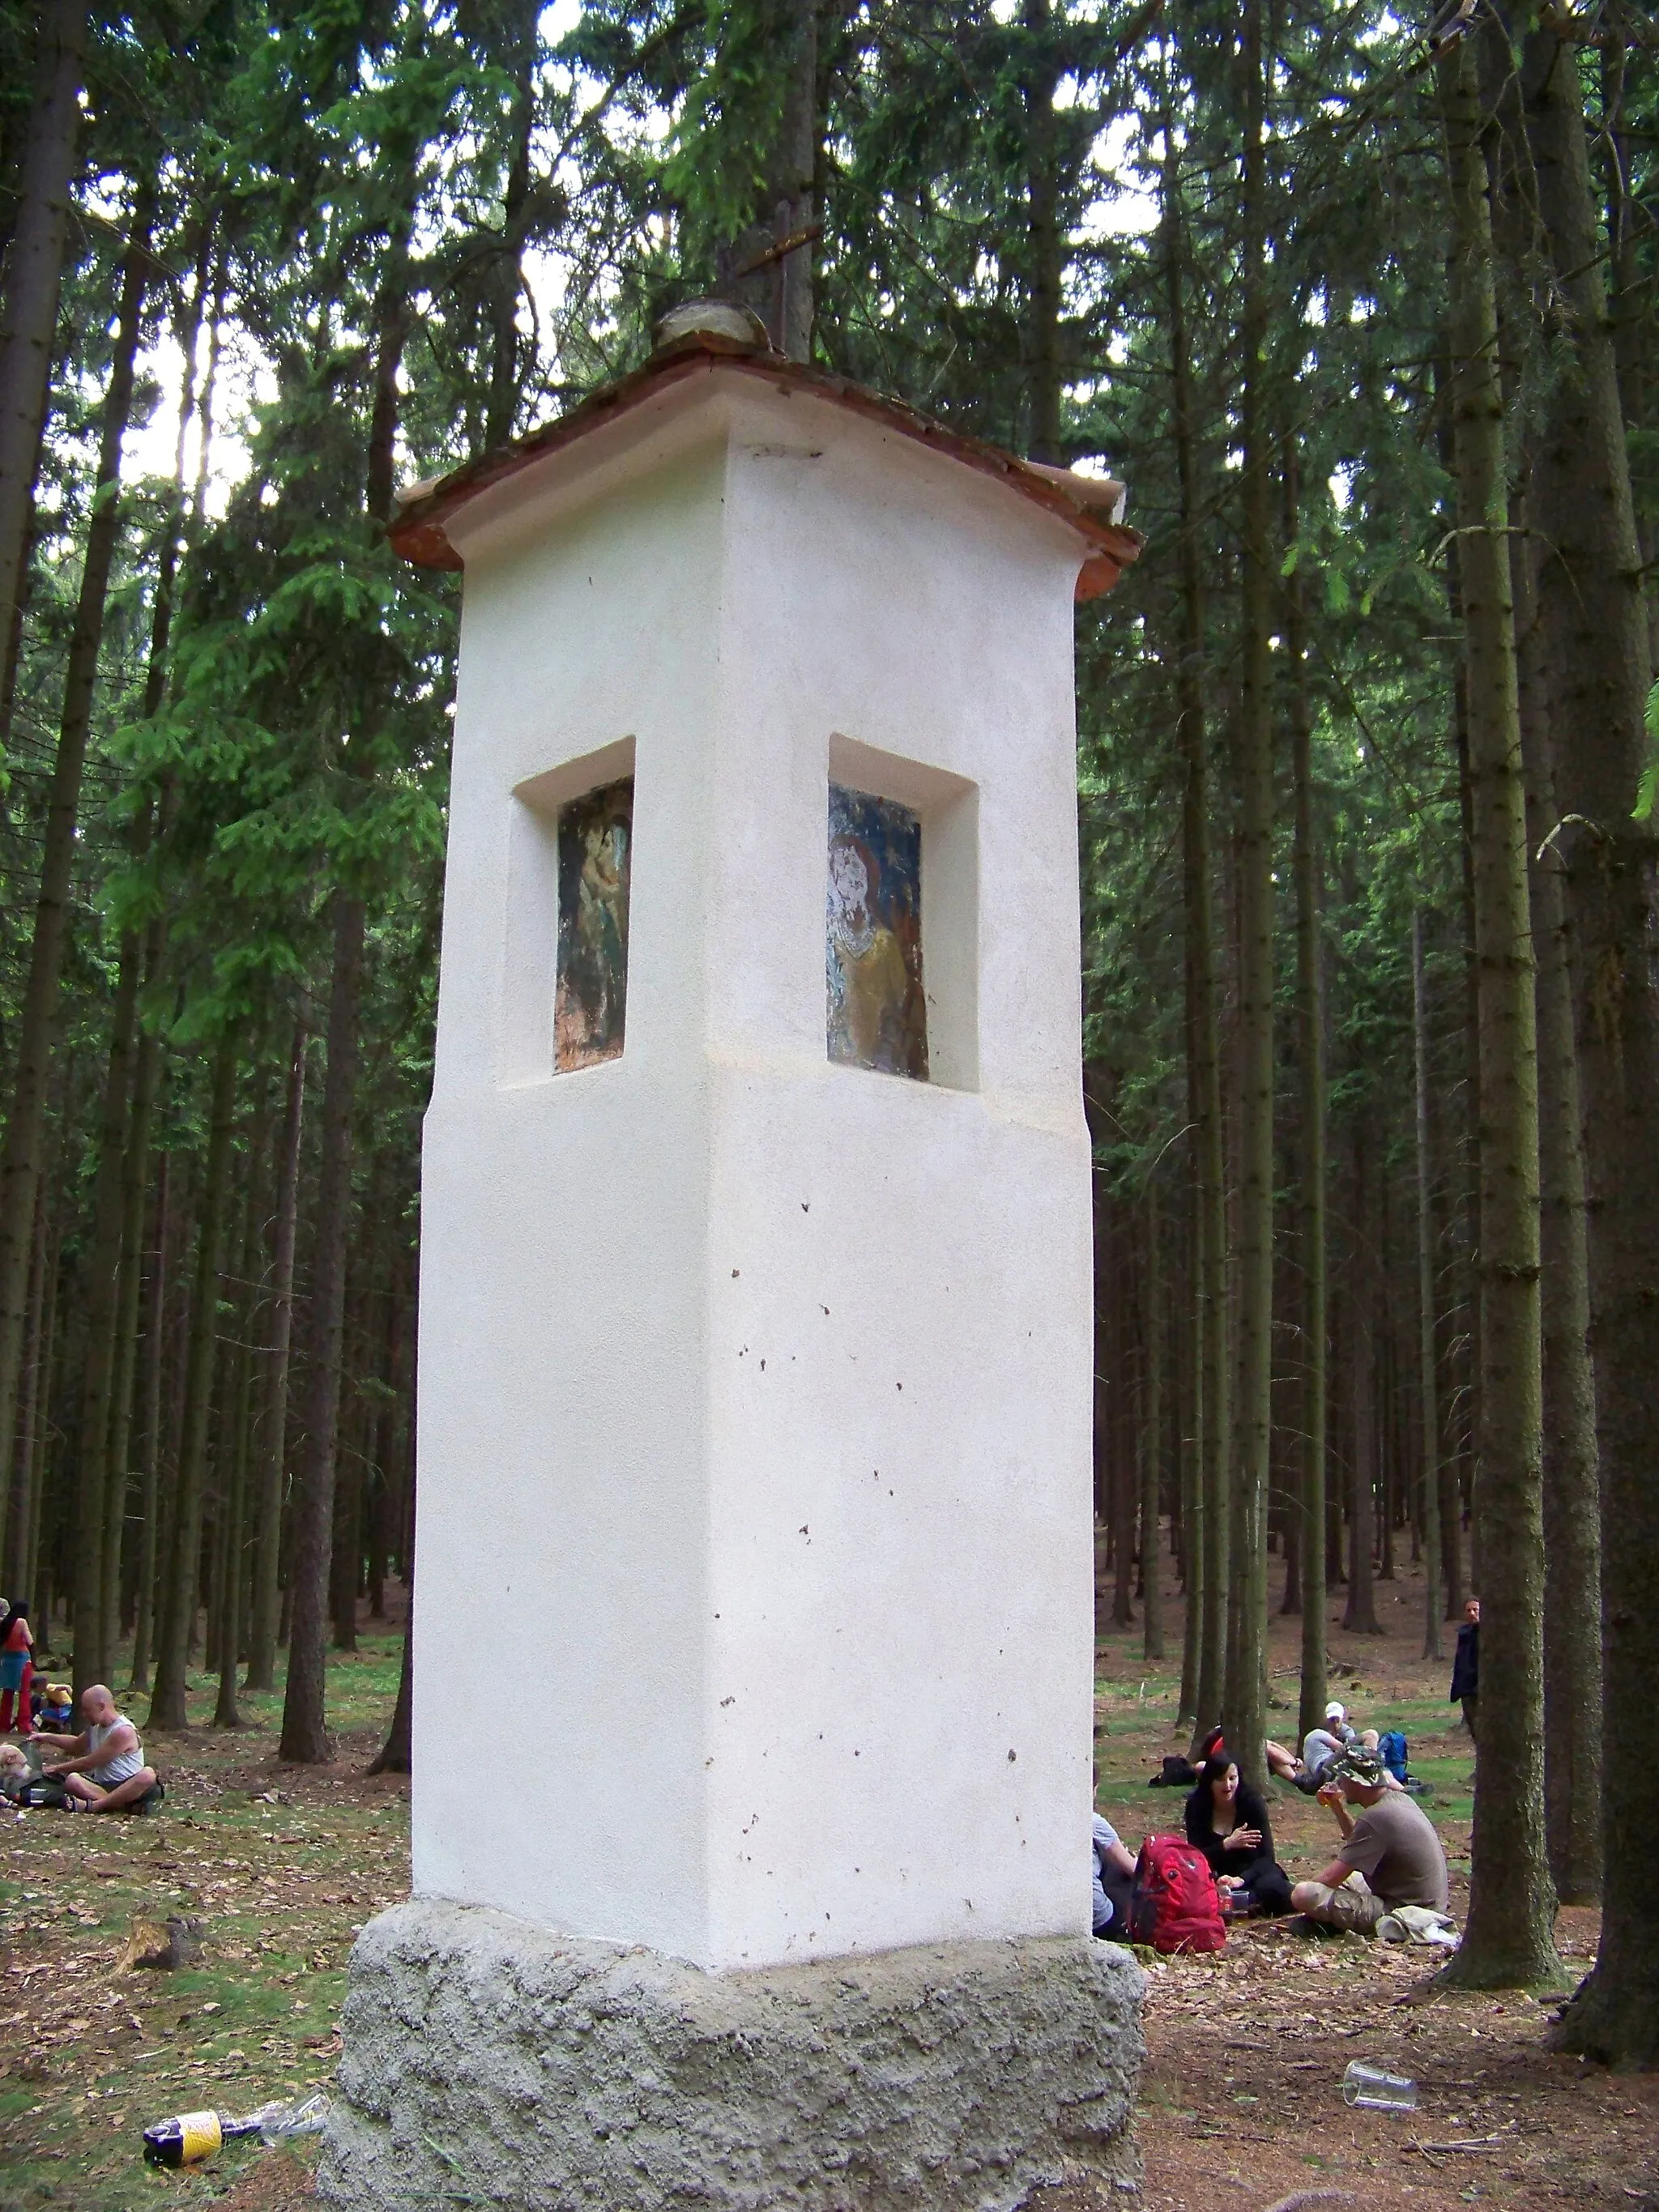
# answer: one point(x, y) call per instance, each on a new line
point(569, 870)
point(877, 1013)
point(590, 999)
point(901, 917)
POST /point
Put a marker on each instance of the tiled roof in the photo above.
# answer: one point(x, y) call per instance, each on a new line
point(1091, 505)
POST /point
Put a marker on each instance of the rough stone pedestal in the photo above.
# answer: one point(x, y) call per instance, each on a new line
point(492, 2063)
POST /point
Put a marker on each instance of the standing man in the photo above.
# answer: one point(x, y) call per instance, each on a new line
point(1465, 1666)
point(104, 1770)
point(1392, 1846)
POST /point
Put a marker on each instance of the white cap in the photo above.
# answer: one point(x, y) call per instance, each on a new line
point(1335, 1713)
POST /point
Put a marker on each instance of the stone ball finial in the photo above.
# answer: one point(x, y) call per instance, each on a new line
point(718, 319)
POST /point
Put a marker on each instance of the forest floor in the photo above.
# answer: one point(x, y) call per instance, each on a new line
point(1240, 2105)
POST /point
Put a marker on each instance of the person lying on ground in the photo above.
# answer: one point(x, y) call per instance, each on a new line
point(104, 1770)
point(1114, 1872)
point(13, 1771)
point(1227, 1821)
point(1280, 1762)
point(1390, 1854)
point(1319, 1747)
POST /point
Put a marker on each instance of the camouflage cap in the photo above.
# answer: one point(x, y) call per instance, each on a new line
point(1358, 1766)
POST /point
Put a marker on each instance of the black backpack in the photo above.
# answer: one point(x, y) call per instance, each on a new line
point(1178, 1774)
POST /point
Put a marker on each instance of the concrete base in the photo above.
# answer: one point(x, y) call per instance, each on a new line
point(488, 2062)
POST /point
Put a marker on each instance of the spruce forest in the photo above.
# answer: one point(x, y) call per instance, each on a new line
point(1360, 302)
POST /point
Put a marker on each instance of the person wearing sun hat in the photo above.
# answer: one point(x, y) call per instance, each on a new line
point(1390, 1854)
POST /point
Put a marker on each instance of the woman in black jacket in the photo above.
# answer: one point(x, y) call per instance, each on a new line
point(1227, 1821)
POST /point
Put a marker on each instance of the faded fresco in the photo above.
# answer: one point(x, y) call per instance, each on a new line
point(596, 844)
point(877, 1017)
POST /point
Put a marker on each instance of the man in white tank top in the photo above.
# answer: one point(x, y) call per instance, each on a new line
point(104, 1769)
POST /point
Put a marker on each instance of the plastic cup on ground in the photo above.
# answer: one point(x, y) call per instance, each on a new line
point(1375, 2090)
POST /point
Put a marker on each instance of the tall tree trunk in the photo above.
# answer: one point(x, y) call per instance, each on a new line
point(769, 265)
point(1245, 1700)
point(391, 329)
point(93, 1648)
point(305, 1733)
point(1096, 1083)
point(1152, 1430)
point(1311, 1100)
point(1388, 1370)
point(1207, 1532)
point(34, 274)
point(1338, 1482)
point(1359, 1616)
point(1042, 229)
point(1191, 1538)
point(1458, 1456)
point(269, 1457)
point(167, 1707)
point(1427, 1395)
point(237, 1426)
point(346, 1550)
point(506, 275)
point(35, 1466)
point(1509, 1941)
point(1632, 296)
point(19, 1169)
point(171, 1368)
point(149, 1427)
point(795, 172)
point(30, 1402)
point(396, 1753)
point(148, 1069)
point(1121, 1412)
point(1590, 591)
point(134, 1189)
point(1572, 1545)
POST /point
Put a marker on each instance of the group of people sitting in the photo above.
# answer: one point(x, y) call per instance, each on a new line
point(1389, 1853)
point(99, 1769)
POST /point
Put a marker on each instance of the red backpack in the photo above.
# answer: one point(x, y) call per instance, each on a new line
point(1174, 1904)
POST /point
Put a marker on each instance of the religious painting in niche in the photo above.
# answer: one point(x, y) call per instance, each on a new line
point(596, 846)
point(877, 1017)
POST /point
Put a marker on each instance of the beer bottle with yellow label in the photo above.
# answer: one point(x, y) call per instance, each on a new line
point(191, 2137)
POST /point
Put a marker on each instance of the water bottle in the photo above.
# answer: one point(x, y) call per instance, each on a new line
point(1375, 2090)
point(280, 2122)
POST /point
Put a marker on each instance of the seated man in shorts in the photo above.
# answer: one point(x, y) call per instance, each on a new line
point(1390, 1853)
point(103, 1769)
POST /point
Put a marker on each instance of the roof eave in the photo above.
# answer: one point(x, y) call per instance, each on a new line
point(418, 529)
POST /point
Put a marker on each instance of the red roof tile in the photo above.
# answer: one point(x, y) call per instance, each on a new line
point(418, 528)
